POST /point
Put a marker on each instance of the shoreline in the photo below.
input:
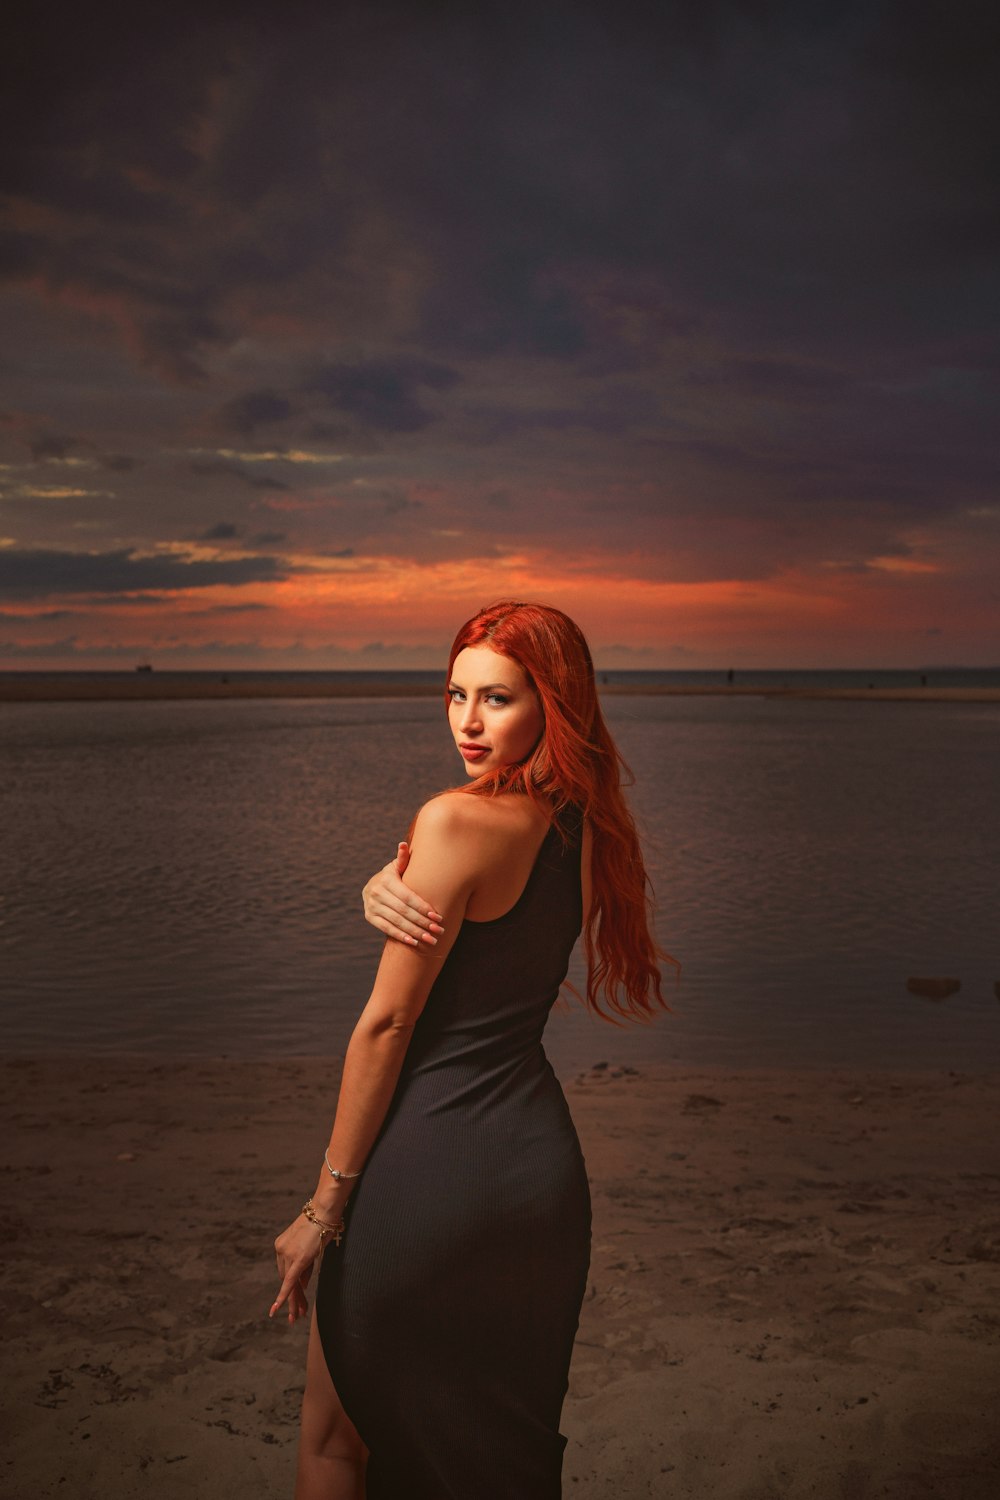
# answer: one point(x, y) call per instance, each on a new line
point(794, 1284)
point(28, 687)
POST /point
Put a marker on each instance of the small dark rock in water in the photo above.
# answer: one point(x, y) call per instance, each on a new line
point(933, 988)
point(598, 1067)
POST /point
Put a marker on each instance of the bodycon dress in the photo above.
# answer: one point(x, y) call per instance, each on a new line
point(448, 1313)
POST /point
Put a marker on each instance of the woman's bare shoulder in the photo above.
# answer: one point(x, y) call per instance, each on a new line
point(461, 815)
point(449, 819)
point(447, 812)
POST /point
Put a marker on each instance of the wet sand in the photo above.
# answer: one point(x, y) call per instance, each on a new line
point(795, 1288)
point(69, 687)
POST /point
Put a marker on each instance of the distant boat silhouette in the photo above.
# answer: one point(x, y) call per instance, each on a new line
point(144, 666)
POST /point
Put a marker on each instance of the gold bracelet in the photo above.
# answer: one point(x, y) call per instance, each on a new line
point(335, 1231)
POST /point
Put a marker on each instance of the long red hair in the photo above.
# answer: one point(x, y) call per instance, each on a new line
point(577, 764)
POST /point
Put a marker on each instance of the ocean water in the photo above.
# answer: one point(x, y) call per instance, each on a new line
point(185, 876)
point(756, 678)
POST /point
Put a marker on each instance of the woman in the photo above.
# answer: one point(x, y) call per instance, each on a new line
point(445, 1316)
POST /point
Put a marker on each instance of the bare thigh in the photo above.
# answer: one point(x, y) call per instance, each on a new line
point(328, 1440)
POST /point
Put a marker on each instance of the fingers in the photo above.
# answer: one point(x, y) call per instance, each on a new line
point(411, 912)
point(293, 1292)
point(405, 926)
point(284, 1293)
point(295, 1268)
point(385, 898)
point(394, 889)
point(402, 857)
point(395, 910)
point(298, 1305)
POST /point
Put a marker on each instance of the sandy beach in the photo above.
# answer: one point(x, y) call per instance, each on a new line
point(70, 687)
point(795, 1288)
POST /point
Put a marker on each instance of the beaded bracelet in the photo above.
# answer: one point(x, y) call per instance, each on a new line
point(335, 1231)
point(337, 1176)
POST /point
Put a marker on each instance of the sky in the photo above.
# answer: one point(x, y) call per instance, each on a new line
point(324, 325)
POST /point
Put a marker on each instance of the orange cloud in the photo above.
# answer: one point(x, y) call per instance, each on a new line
point(335, 605)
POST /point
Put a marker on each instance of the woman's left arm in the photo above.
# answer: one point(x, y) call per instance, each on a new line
point(447, 857)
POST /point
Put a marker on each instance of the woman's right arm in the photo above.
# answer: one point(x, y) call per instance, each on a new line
point(396, 910)
point(449, 859)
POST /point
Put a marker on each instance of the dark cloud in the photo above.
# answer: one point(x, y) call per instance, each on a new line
point(214, 467)
point(222, 531)
point(252, 606)
point(748, 159)
point(40, 573)
point(12, 617)
point(393, 502)
point(789, 380)
point(57, 447)
point(765, 159)
point(146, 601)
point(382, 648)
point(268, 539)
point(613, 410)
point(75, 649)
point(35, 650)
point(245, 414)
point(381, 394)
point(51, 445)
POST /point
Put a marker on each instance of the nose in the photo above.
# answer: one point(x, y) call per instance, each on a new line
point(470, 719)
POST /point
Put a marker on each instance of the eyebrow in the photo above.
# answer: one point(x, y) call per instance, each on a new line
point(488, 687)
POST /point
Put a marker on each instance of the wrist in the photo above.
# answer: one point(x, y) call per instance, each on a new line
point(329, 1198)
point(328, 1229)
point(334, 1187)
point(337, 1174)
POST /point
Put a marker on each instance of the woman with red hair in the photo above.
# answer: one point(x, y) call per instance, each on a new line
point(453, 1184)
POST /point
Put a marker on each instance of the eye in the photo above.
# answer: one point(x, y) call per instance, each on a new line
point(456, 695)
point(497, 699)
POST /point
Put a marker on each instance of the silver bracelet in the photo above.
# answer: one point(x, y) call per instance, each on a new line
point(338, 1176)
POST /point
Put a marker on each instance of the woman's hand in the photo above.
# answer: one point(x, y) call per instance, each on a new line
point(297, 1251)
point(396, 910)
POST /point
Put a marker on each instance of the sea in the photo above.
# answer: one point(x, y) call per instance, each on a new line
point(184, 877)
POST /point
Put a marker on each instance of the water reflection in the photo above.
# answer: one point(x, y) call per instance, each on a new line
point(186, 876)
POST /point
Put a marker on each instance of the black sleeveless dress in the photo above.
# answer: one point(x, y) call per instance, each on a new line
point(448, 1313)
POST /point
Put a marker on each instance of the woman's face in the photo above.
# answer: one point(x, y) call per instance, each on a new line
point(495, 714)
